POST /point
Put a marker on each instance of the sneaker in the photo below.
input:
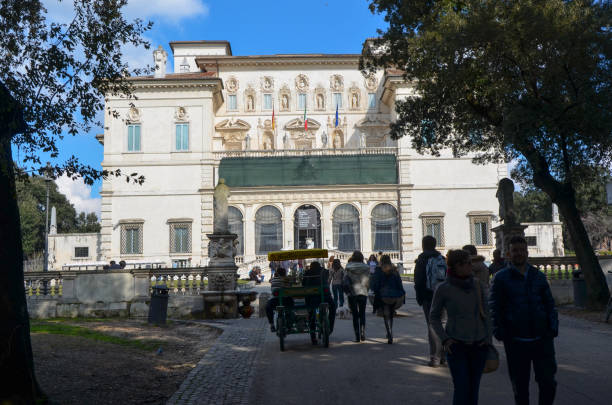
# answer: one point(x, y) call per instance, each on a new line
point(434, 363)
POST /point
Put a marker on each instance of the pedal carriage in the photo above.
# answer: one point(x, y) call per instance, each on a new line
point(293, 319)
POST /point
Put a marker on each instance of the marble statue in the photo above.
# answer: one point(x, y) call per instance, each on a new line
point(505, 196)
point(250, 103)
point(220, 208)
point(319, 101)
point(337, 142)
point(354, 101)
point(285, 102)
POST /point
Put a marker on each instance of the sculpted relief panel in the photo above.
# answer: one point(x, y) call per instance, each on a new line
point(302, 83)
point(231, 85)
point(336, 83)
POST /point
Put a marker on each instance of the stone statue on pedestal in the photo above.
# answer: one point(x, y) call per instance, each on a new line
point(511, 225)
point(505, 196)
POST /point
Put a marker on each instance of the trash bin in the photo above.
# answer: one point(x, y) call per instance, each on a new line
point(580, 293)
point(158, 309)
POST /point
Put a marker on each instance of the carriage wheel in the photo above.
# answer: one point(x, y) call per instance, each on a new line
point(280, 328)
point(324, 319)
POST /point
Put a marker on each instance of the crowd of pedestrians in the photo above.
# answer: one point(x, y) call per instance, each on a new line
point(466, 304)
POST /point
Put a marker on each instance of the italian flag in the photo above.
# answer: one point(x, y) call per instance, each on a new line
point(272, 116)
point(305, 120)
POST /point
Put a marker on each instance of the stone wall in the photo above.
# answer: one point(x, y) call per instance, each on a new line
point(113, 293)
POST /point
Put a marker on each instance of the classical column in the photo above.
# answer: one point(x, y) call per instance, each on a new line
point(249, 233)
point(366, 229)
point(326, 226)
point(287, 210)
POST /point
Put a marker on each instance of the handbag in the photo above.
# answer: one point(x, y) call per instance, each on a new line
point(347, 285)
point(492, 362)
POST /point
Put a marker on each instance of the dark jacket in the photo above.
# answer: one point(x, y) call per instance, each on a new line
point(522, 306)
point(387, 285)
point(316, 278)
point(420, 276)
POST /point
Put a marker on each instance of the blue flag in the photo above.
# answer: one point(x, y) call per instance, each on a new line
point(336, 124)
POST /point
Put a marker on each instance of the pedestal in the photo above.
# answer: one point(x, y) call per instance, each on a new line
point(503, 234)
point(220, 297)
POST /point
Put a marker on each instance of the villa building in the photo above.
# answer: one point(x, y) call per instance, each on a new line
point(303, 142)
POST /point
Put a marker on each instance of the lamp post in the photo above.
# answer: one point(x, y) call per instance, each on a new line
point(46, 255)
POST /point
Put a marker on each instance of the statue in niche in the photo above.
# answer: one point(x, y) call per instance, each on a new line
point(337, 142)
point(220, 208)
point(354, 101)
point(250, 103)
point(285, 102)
point(267, 142)
point(505, 196)
point(320, 101)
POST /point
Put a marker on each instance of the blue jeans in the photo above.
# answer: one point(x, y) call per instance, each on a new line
point(338, 294)
point(466, 363)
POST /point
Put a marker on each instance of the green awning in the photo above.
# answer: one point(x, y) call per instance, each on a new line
point(309, 170)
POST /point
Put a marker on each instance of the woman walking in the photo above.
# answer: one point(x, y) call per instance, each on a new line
point(373, 263)
point(359, 275)
point(468, 328)
point(336, 273)
point(389, 292)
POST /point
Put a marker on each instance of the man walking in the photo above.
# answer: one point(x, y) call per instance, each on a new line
point(525, 319)
point(424, 295)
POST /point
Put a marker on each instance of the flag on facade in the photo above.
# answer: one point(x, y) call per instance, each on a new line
point(336, 123)
point(273, 116)
point(305, 119)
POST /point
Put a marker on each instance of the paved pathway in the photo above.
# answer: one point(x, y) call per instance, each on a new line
point(377, 373)
point(245, 366)
point(224, 374)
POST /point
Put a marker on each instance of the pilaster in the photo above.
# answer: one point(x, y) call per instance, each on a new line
point(326, 225)
point(365, 227)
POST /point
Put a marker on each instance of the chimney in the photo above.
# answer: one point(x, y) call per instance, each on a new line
point(555, 213)
point(53, 226)
point(160, 57)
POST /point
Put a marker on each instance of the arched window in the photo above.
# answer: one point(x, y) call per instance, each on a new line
point(234, 217)
point(268, 230)
point(384, 228)
point(346, 230)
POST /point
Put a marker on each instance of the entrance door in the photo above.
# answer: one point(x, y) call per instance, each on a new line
point(307, 227)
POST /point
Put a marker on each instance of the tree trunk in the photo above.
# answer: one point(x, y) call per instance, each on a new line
point(19, 385)
point(564, 195)
point(597, 286)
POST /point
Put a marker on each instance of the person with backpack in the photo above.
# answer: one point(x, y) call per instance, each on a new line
point(357, 282)
point(428, 270)
point(388, 291)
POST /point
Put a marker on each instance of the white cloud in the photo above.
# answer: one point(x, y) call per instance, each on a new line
point(172, 11)
point(79, 194)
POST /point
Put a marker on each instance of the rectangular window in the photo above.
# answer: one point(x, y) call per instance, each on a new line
point(131, 239)
point(180, 237)
point(267, 101)
point(182, 137)
point(232, 103)
point(81, 251)
point(531, 240)
point(302, 101)
point(480, 230)
point(434, 226)
point(338, 100)
point(371, 100)
point(133, 143)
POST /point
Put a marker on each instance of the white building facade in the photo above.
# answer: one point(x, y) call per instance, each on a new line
point(336, 181)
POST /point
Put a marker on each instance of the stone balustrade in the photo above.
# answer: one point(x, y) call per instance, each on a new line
point(307, 152)
point(113, 292)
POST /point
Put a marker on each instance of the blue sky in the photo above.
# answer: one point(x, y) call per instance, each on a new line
point(262, 27)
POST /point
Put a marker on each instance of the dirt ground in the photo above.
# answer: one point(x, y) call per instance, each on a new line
point(593, 316)
point(78, 370)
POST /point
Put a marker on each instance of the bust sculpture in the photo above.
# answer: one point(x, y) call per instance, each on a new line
point(505, 196)
point(220, 208)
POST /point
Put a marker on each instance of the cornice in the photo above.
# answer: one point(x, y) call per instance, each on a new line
point(212, 83)
point(278, 60)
